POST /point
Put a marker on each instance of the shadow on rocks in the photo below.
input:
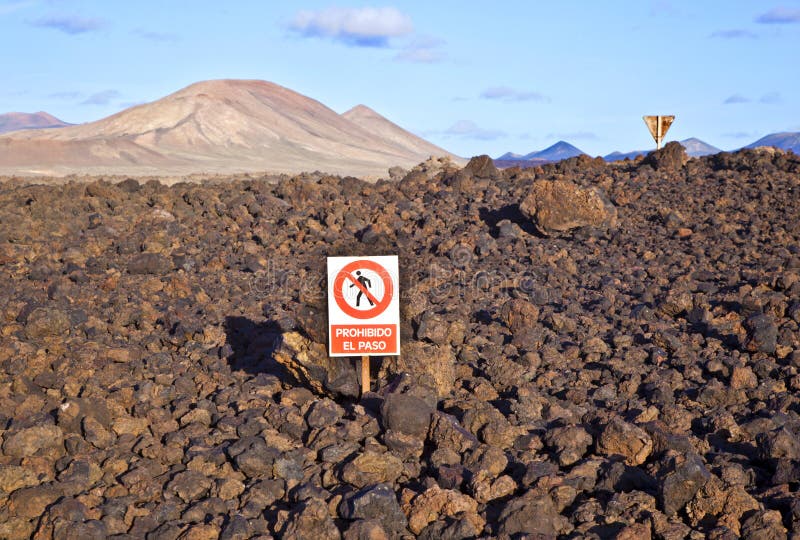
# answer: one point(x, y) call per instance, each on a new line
point(249, 347)
point(497, 220)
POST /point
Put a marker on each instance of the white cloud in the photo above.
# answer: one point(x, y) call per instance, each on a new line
point(779, 15)
point(468, 129)
point(70, 24)
point(736, 99)
point(508, 95)
point(359, 27)
point(101, 98)
point(424, 49)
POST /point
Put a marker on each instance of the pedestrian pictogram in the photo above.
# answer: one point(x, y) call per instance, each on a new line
point(363, 306)
point(363, 284)
point(362, 289)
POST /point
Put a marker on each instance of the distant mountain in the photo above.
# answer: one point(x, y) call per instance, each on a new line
point(380, 127)
point(694, 148)
point(16, 121)
point(786, 141)
point(223, 126)
point(557, 152)
point(697, 148)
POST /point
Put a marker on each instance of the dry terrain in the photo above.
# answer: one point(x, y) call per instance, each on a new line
point(589, 351)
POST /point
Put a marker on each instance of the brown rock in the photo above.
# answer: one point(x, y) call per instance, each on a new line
point(670, 158)
point(31, 502)
point(560, 205)
point(532, 513)
point(726, 504)
point(635, 531)
point(46, 322)
point(484, 487)
point(365, 529)
point(436, 361)
point(684, 477)
point(202, 531)
point(14, 477)
point(764, 525)
point(518, 314)
point(17, 528)
point(569, 443)
point(150, 263)
point(407, 414)
point(28, 441)
point(96, 434)
point(742, 377)
point(621, 438)
point(372, 468)
point(309, 362)
point(189, 485)
point(447, 433)
point(128, 425)
point(482, 167)
point(435, 503)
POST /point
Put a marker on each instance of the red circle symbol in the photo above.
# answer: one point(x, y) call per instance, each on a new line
point(346, 274)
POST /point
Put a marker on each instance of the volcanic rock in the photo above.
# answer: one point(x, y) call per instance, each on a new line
point(532, 513)
point(481, 167)
point(559, 206)
point(623, 383)
point(309, 362)
point(670, 158)
point(372, 468)
point(684, 477)
point(568, 443)
point(46, 322)
point(435, 503)
point(628, 440)
point(376, 502)
point(407, 414)
point(29, 441)
point(312, 521)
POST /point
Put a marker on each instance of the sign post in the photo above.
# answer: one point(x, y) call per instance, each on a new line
point(658, 126)
point(364, 374)
point(363, 309)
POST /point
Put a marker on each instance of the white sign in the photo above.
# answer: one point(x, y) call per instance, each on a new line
point(363, 306)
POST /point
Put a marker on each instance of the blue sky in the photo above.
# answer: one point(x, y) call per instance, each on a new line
point(472, 77)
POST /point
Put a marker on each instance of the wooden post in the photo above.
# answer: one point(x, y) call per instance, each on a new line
point(660, 135)
point(364, 374)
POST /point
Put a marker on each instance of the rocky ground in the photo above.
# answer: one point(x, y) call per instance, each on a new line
point(589, 351)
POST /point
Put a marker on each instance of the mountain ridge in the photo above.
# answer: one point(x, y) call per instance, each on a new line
point(221, 126)
point(785, 140)
point(694, 148)
point(555, 152)
point(18, 121)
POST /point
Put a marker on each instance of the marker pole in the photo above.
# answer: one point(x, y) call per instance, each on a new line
point(364, 374)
